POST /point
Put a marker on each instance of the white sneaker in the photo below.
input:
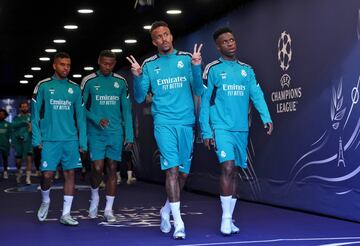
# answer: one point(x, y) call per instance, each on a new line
point(5, 175)
point(165, 225)
point(131, 180)
point(28, 180)
point(234, 228)
point(109, 216)
point(43, 211)
point(225, 226)
point(68, 220)
point(179, 232)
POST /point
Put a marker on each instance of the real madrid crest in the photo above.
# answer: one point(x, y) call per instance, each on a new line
point(116, 84)
point(243, 73)
point(180, 64)
point(70, 90)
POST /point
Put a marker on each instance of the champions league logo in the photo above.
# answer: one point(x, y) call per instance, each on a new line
point(284, 57)
point(285, 99)
point(284, 51)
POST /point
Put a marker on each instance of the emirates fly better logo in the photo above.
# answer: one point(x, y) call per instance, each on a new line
point(285, 99)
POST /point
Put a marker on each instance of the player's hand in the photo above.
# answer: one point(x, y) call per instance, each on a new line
point(270, 128)
point(29, 127)
point(209, 142)
point(104, 123)
point(196, 56)
point(135, 67)
point(128, 146)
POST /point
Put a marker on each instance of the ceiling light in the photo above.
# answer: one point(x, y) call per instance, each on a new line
point(71, 27)
point(28, 76)
point(173, 11)
point(77, 75)
point(36, 68)
point(88, 68)
point(147, 27)
point(24, 82)
point(85, 11)
point(59, 41)
point(50, 50)
point(44, 59)
point(116, 50)
point(130, 41)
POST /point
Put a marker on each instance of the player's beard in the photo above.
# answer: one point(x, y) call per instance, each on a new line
point(63, 75)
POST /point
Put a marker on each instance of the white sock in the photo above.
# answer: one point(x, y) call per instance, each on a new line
point(45, 196)
point(166, 208)
point(67, 204)
point(28, 174)
point(226, 206)
point(109, 203)
point(94, 198)
point(233, 203)
point(175, 210)
point(129, 174)
point(95, 194)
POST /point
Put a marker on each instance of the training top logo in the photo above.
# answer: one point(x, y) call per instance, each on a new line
point(180, 64)
point(70, 90)
point(286, 99)
point(157, 70)
point(243, 73)
point(116, 84)
point(52, 91)
point(223, 75)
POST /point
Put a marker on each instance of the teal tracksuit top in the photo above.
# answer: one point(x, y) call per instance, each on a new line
point(171, 79)
point(5, 133)
point(20, 127)
point(58, 106)
point(225, 103)
point(107, 97)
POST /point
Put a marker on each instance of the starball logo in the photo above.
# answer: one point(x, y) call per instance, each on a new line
point(286, 99)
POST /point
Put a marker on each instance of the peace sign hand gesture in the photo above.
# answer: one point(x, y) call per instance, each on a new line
point(135, 67)
point(196, 56)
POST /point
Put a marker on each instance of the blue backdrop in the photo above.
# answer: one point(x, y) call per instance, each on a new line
point(306, 55)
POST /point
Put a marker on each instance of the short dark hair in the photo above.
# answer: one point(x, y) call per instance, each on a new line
point(107, 53)
point(61, 55)
point(5, 112)
point(220, 31)
point(23, 102)
point(157, 24)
